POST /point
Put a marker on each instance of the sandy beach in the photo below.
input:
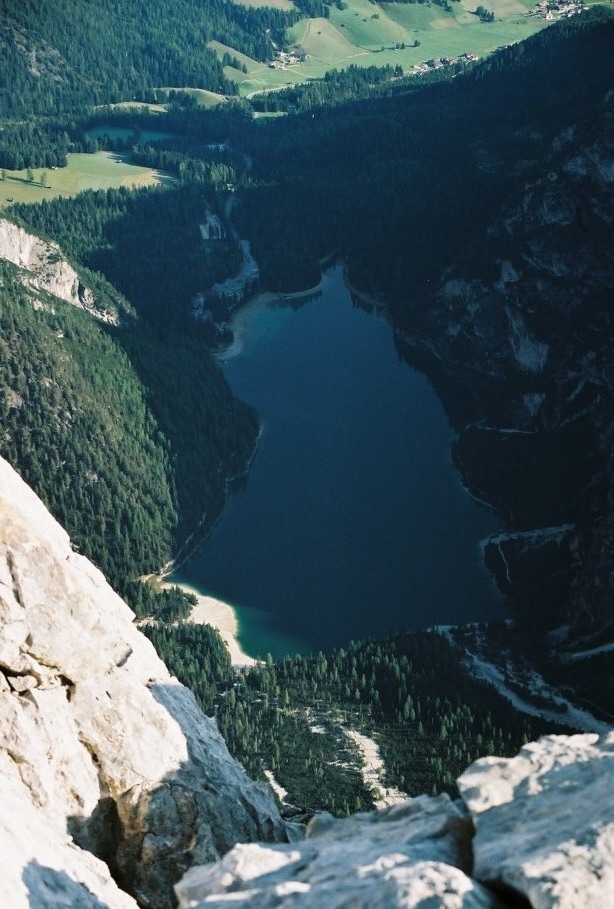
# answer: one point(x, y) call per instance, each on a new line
point(210, 611)
point(246, 315)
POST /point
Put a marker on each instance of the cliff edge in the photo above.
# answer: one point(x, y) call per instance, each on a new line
point(110, 775)
point(45, 268)
point(531, 832)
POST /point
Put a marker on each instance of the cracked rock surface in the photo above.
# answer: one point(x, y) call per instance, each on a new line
point(100, 749)
point(545, 820)
point(414, 854)
point(531, 832)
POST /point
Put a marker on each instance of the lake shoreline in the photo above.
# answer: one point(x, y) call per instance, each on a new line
point(220, 615)
point(320, 533)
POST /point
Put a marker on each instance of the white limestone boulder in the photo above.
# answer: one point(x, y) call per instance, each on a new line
point(41, 867)
point(104, 744)
point(545, 821)
point(415, 854)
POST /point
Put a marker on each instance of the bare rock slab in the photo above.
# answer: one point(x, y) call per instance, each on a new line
point(545, 821)
point(109, 769)
point(405, 856)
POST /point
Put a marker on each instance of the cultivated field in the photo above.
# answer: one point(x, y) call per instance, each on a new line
point(370, 34)
point(100, 171)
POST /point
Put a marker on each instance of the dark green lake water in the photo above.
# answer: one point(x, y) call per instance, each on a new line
point(352, 521)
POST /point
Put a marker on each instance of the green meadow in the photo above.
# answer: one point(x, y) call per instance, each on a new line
point(370, 34)
point(102, 170)
point(202, 96)
point(139, 105)
point(275, 4)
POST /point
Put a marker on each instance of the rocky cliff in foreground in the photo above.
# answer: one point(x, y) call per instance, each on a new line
point(113, 783)
point(535, 831)
point(109, 772)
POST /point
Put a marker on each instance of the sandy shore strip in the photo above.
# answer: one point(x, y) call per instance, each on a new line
point(211, 611)
point(246, 315)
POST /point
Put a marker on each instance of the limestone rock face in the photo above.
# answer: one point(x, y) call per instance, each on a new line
point(414, 854)
point(545, 820)
point(545, 840)
point(47, 269)
point(99, 747)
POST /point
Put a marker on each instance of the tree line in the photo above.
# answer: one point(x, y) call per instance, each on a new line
point(410, 692)
point(403, 183)
point(134, 425)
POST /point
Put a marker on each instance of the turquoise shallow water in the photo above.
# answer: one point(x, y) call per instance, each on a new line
point(352, 521)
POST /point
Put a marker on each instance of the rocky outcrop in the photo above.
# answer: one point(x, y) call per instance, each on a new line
point(47, 269)
point(521, 330)
point(544, 838)
point(111, 777)
point(544, 822)
point(411, 853)
point(42, 58)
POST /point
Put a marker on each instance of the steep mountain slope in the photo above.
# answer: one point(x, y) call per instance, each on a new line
point(101, 750)
point(523, 325)
point(98, 423)
point(64, 54)
point(48, 270)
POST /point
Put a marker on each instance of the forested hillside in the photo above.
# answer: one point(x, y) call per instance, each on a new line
point(292, 717)
point(128, 437)
point(76, 421)
point(59, 56)
point(133, 425)
point(148, 244)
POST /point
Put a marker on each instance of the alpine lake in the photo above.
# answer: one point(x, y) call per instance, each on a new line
point(352, 522)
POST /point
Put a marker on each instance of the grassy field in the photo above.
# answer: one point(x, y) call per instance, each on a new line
point(203, 97)
point(139, 105)
point(259, 76)
point(376, 31)
point(371, 34)
point(100, 171)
